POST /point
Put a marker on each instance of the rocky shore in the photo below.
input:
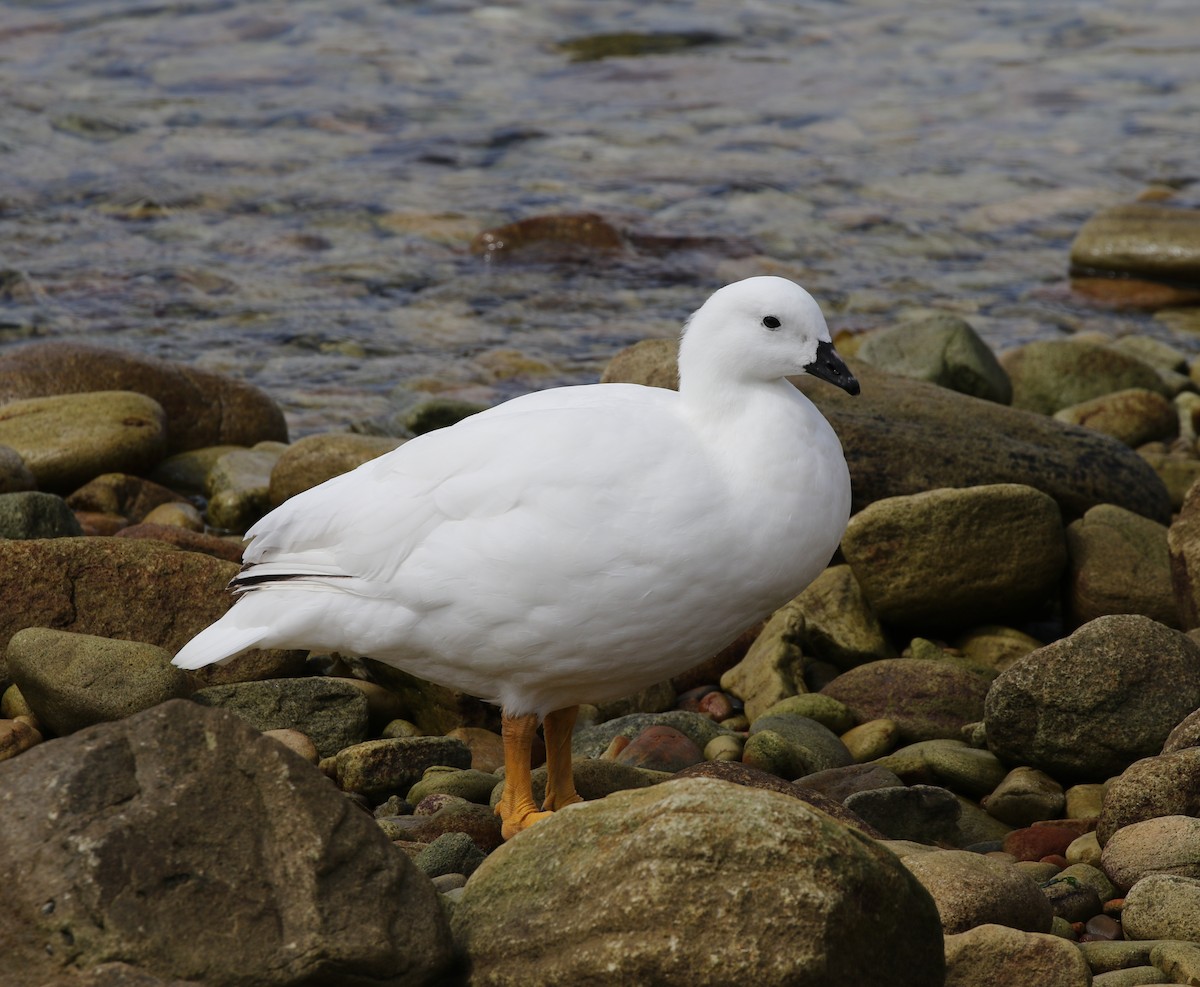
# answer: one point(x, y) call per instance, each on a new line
point(971, 746)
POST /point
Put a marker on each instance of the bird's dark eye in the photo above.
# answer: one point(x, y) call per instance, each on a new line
point(771, 322)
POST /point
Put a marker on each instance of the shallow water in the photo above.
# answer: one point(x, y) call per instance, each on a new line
point(288, 191)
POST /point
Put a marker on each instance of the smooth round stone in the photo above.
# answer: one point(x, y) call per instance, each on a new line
point(1092, 877)
point(593, 741)
point(176, 514)
point(841, 783)
point(1146, 239)
point(927, 700)
point(486, 747)
point(1119, 563)
point(941, 349)
point(382, 767)
point(956, 558)
point(1154, 787)
point(1052, 710)
point(1037, 842)
point(949, 763)
point(977, 956)
point(32, 514)
point(1051, 374)
point(872, 739)
point(995, 646)
point(921, 813)
point(296, 742)
point(1168, 844)
point(450, 853)
point(833, 619)
point(972, 890)
point(841, 902)
point(331, 713)
point(469, 784)
point(819, 747)
point(13, 704)
point(661, 748)
point(812, 705)
point(202, 408)
point(1103, 926)
point(314, 459)
point(73, 681)
point(1134, 417)
point(130, 497)
point(1163, 906)
point(1084, 801)
point(67, 439)
point(1026, 796)
point(1084, 849)
point(726, 748)
point(1074, 902)
point(16, 737)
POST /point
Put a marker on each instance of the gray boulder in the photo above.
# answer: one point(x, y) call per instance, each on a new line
point(191, 847)
point(1086, 707)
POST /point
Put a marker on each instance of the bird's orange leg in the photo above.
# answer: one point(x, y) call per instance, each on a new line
point(560, 783)
point(517, 809)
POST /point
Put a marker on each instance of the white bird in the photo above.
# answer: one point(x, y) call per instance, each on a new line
point(572, 545)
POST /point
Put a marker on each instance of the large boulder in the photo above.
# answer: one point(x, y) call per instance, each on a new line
point(700, 882)
point(904, 436)
point(958, 558)
point(1087, 706)
point(188, 845)
point(135, 589)
point(202, 408)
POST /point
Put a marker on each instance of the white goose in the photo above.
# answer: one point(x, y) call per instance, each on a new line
point(572, 545)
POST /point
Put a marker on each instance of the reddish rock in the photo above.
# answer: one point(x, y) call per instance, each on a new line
point(1037, 842)
point(191, 541)
point(661, 748)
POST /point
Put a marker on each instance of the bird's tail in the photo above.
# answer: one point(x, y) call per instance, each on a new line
point(219, 641)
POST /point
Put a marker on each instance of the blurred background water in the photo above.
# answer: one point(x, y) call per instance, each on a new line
point(289, 191)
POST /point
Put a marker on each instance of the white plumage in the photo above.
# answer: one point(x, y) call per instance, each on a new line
point(576, 544)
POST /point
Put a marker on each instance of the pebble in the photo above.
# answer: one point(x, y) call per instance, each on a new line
point(383, 767)
point(872, 739)
point(1025, 796)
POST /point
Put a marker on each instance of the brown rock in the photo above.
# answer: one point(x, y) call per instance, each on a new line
point(1144, 239)
point(1119, 563)
point(127, 588)
point(554, 237)
point(926, 699)
point(119, 493)
point(1167, 785)
point(202, 408)
point(661, 748)
point(190, 541)
point(314, 459)
point(995, 956)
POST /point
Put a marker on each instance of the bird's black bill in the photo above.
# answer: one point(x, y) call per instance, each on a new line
point(829, 366)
